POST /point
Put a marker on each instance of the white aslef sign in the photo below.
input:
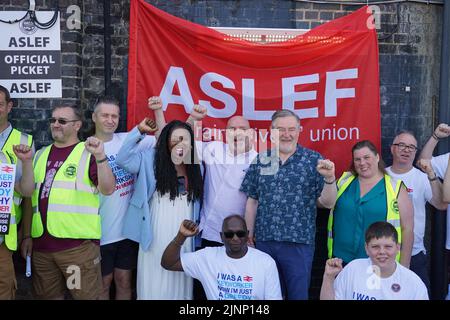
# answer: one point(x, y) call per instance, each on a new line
point(30, 57)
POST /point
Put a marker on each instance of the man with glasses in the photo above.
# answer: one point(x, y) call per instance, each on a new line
point(284, 186)
point(66, 226)
point(422, 188)
point(231, 272)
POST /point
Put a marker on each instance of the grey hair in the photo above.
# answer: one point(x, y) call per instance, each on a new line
point(404, 131)
point(283, 113)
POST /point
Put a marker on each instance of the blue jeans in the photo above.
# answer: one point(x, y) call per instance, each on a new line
point(294, 261)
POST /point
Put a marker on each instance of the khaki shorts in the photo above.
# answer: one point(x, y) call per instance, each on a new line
point(77, 270)
point(8, 283)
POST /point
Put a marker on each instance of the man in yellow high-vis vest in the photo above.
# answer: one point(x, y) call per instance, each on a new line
point(66, 225)
point(9, 137)
point(15, 149)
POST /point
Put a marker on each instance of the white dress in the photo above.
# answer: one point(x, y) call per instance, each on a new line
point(153, 281)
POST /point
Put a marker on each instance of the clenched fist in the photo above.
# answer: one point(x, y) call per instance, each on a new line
point(198, 112)
point(425, 166)
point(147, 126)
point(442, 131)
point(23, 152)
point(95, 147)
point(188, 228)
point(154, 103)
point(326, 169)
point(333, 267)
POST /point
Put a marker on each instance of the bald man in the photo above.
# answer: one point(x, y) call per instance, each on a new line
point(225, 164)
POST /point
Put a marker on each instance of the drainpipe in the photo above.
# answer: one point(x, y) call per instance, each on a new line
point(107, 44)
point(439, 277)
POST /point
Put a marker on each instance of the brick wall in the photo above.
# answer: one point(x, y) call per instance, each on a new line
point(409, 47)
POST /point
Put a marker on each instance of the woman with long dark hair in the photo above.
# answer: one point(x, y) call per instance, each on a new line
point(169, 189)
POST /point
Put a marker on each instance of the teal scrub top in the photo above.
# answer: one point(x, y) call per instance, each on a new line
point(353, 215)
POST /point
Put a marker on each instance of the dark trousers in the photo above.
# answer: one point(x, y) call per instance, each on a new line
point(199, 292)
point(294, 262)
point(419, 264)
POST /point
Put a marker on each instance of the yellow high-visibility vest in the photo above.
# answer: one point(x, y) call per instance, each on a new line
point(393, 214)
point(10, 238)
point(73, 201)
point(16, 137)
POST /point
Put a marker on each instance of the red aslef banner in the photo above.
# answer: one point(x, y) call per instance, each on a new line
point(328, 76)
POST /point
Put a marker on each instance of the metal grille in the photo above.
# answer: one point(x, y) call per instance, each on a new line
point(260, 35)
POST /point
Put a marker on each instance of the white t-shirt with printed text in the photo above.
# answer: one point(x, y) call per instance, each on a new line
point(419, 191)
point(113, 207)
point(252, 277)
point(440, 164)
point(358, 281)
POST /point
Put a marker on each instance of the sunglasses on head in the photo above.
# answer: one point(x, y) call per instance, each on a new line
point(239, 233)
point(60, 121)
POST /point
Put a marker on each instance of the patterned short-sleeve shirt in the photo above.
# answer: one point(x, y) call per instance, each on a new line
point(286, 195)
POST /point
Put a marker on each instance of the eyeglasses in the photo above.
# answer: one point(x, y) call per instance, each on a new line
point(401, 146)
point(61, 121)
point(239, 233)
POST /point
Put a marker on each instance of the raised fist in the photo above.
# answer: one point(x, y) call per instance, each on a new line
point(23, 152)
point(326, 168)
point(198, 112)
point(95, 147)
point(147, 126)
point(188, 228)
point(442, 131)
point(154, 103)
point(425, 166)
point(333, 267)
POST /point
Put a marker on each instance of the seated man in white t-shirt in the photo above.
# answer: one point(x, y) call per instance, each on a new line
point(379, 277)
point(232, 272)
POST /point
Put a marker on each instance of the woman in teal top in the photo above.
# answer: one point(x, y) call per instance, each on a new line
point(364, 202)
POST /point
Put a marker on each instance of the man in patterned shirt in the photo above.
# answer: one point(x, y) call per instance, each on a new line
point(283, 187)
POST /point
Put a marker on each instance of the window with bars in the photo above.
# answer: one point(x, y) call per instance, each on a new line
point(261, 35)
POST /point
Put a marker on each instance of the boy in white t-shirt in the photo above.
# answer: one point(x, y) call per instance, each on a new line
point(231, 272)
point(379, 277)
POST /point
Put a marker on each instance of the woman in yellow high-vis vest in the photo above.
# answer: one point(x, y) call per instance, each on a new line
point(366, 195)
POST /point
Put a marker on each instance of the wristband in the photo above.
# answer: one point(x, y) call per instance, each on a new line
point(331, 182)
point(433, 179)
point(102, 160)
point(435, 137)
